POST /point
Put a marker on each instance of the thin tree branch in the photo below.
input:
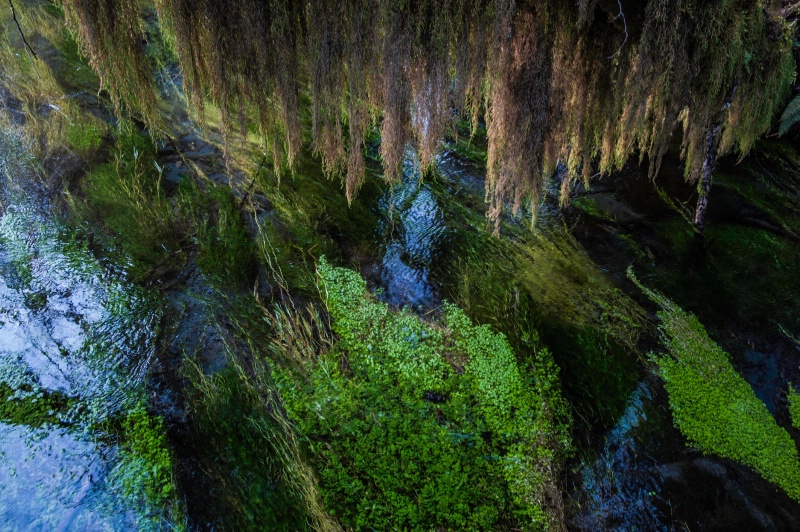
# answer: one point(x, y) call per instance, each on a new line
point(625, 25)
point(253, 181)
point(19, 28)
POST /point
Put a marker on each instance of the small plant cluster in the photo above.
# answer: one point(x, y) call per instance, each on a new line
point(416, 425)
point(30, 406)
point(143, 473)
point(714, 407)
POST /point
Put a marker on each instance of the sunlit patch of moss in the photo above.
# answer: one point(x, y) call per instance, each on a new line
point(714, 407)
point(84, 136)
point(589, 205)
point(418, 424)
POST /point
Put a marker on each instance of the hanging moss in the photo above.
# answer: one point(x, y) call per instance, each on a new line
point(110, 34)
point(558, 83)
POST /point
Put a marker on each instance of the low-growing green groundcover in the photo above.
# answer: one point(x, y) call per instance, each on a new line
point(416, 424)
point(714, 407)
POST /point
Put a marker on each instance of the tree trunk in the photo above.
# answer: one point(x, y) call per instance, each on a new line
point(704, 184)
point(703, 192)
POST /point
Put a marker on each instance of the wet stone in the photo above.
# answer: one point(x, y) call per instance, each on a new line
point(172, 175)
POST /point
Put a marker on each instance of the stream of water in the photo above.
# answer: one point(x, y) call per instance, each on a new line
point(78, 338)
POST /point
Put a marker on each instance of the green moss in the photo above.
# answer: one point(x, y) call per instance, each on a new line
point(36, 301)
point(599, 373)
point(794, 406)
point(713, 405)
point(548, 289)
point(144, 471)
point(417, 425)
point(75, 72)
point(84, 136)
point(214, 222)
point(769, 180)
point(468, 143)
point(589, 205)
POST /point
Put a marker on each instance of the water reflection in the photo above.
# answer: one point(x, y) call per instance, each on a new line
point(52, 480)
point(620, 485)
point(412, 228)
point(71, 329)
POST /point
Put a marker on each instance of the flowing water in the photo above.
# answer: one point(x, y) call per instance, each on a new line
point(78, 339)
point(411, 228)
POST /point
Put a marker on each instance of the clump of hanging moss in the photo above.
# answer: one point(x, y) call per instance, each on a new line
point(53, 119)
point(110, 36)
point(415, 424)
point(714, 407)
point(556, 83)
